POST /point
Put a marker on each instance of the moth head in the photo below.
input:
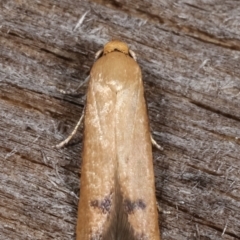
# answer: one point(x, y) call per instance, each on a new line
point(116, 45)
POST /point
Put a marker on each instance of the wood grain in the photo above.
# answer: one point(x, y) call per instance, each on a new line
point(189, 55)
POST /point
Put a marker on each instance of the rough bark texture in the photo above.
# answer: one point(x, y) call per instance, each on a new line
point(189, 54)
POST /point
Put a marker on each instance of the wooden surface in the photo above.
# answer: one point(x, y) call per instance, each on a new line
point(189, 55)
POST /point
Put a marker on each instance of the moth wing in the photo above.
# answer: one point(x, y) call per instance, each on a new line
point(135, 161)
point(99, 160)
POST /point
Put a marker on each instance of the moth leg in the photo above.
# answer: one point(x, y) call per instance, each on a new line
point(75, 91)
point(155, 144)
point(158, 207)
point(66, 141)
point(160, 210)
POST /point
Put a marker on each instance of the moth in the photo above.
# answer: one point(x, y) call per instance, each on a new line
point(117, 194)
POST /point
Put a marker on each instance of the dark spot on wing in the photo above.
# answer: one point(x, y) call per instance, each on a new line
point(104, 205)
point(131, 206)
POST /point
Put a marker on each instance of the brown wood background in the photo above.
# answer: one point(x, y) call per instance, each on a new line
point(189, 54)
